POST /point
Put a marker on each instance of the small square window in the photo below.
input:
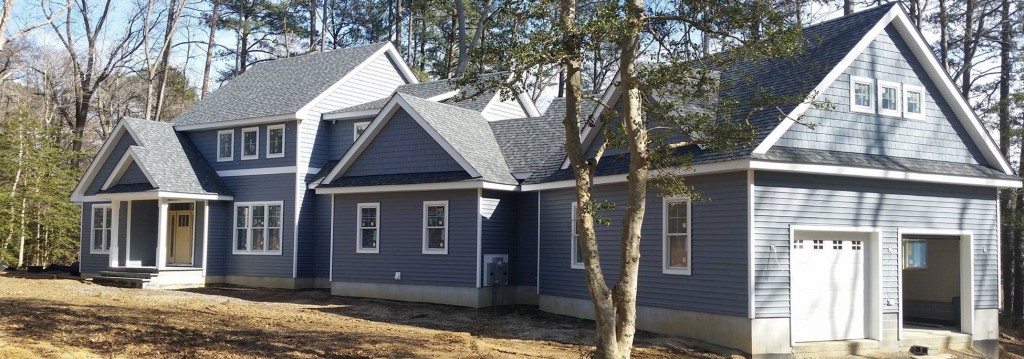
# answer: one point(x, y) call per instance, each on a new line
point(861, 94)
point(915, 254)
point(889, 98)
point(913, 107)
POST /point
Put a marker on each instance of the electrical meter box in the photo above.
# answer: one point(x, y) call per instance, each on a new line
point(495, 270)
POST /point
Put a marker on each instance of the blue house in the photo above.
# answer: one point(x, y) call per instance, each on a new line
point(875, 230)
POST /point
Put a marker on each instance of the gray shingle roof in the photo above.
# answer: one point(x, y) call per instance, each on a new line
point(431, 89)
point(802, 155)
point(277, 87)
point(468, 133)
point(174, 163)
point(528, 144)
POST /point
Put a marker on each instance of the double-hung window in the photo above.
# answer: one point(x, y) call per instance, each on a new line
point(258, 227)
point(275, 141)
point(225, 145)
point(435, 227)
point(676, 241)
point(101, 225)
point(861, 90)
point(368, 231)
point(358, 128)
point(575, 254)
point(250, 143)
point(913, 102)
point(889, 98)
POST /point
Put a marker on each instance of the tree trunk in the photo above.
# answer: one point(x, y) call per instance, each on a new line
point(460, 11)
point(21, 239)
point(324, 13)
point(847, 7)
point(312, 25)
point(5, 20)
point(209, 49)
point(943, 34)
point(968, 49)
point(1004, 147)
point(398, 25)
point(173, 15)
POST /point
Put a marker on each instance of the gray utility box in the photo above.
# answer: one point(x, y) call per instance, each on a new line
point(495, 270)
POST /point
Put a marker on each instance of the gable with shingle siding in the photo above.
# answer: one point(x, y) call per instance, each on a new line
point(940, 136)
point(402, 146)
point(107, 167)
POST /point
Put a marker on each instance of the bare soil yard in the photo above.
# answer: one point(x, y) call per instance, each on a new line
point(61, 317)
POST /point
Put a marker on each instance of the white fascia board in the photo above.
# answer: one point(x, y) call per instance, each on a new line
point(349, 115)
point(239, 122)
point(257, 171)
point(528, 105)
point(587, 136)
point(444, 96)
point(826, 82)
point(416, 187)
point(161, 195)
point(709, 168)
point(385, 115)
point(846, 171)
point(127, 159)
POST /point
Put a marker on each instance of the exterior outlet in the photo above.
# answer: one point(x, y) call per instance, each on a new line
point(398, 275)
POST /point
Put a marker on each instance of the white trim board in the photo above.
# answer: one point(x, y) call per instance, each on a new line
point(161, 195)
point(252, 121)
point(394, 104)
point(922, 52)
point(122, 166)
point(416, 187)
point(78, 195)
point(257, 171)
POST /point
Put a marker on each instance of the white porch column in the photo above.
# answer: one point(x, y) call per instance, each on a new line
point(161, 237)
point(206, 232)
point(115, 212)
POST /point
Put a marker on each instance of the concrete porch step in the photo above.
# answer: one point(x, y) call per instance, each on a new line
point(134, 270)
point(836, 349)
point(121, 282)
point(128, 274)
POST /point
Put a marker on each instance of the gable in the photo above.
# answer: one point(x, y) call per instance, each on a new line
point(402, 146)
point(133, 175)
point(377, 78)
point(940, 136)
point(105, 168)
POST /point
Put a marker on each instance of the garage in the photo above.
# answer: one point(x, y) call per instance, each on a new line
point(831, 285)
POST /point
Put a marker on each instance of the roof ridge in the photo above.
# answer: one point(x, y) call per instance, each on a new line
point(318, 53)
point(854, 14)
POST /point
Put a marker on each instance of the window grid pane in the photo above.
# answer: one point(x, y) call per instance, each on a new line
point(368, 234)
point(276, 140)
point(914, 102)
point(250, 143)
point(863, 94)
point(889, 98)
point(676, 234)
point(225, 145)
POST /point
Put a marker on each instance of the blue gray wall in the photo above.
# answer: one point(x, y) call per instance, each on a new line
point(108, 166)
point(784, 199)
point(206, 142)
point(401, 240)
point(322, 237)
point(145, 217)
point(524, 265)
point(939, 137)
point(276, 187)
point(499, 229)
point(220, 233)
point(402, 146)
point(341, 137)
point(90, 263)
point(719, 229)
point(133, 175)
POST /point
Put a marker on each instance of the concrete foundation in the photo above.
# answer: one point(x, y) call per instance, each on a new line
point(262, 282)
point(461, 296)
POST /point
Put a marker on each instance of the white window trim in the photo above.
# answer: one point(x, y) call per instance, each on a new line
point(266, 229)
point(665, 251)
point(242, 147)
point(854, 80)
point(898, 112)
point(283, 136)
point(573, 239)
point(92, 229)
point(359, 227)
point(355, 132)
point(231, 156)
point(910, 115)
point(426, 249)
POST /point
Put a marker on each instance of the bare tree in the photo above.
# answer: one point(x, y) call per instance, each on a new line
point(5, 20)
point(209, 49)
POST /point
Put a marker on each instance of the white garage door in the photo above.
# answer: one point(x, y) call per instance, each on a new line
point(828, 293)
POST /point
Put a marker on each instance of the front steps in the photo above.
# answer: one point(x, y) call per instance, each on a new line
point(127, 277)
point(942, 344)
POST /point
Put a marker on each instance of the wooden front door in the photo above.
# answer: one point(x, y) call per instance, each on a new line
point(179, 238)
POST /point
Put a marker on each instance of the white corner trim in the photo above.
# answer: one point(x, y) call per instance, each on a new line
point(923, 106)
point(587, 135)
point(255, 155)
point(826, 82)
point(751, 240)
point(538, 242)
point(479, 236)
point(899, 94)
point(122, 166)
point(378, 123)
point(252, 121)
point(330, 256)
point(206, 234)
point(257, 171)
point(359, 226)
point(284, 142)
point(426, 236)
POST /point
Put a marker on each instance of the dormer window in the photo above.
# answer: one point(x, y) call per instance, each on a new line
point(889, 98)
point(861, 94)
point(225, 145)
point(275, 141)
point(250, 143)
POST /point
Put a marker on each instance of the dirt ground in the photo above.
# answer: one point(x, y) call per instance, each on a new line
point(61, 317)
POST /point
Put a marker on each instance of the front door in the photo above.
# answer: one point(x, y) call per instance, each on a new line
point(179, 240)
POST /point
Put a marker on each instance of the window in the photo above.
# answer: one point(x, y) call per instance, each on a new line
point(275, 141)
point(860, 94)
point(889, 98)
point(101, 224)
point(368, 232)
point(258, 228)
point(225, 145)
point(913, 102)
point(676, 236)
point(358, 128)
point(250, 143)
point(435, 227)
point(915, 254)
point(576, 254)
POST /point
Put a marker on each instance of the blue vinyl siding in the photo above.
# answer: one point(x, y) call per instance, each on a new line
point(783, 199)
point(145, 220)
point(322, 237)
point(719, 228)
point(220, 230)
point(90, 263)
point(939, 137)
point(524, 266)
point(108, 166)
point(133, 175)
point(307, 221)
point(499, 227)
point(401, 240)
point(342, 137)
point(260, 189)
point(402, 146)
point(122, 234)
point(206, 142)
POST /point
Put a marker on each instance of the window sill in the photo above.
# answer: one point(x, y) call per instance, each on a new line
point(99, 251)
point(225, 159)
point(890, 113)
point(247, 253)
point(861, 109)
point(368, 250)
point(914, 116)
point(676, 271)
point(275, 155)
point(576, 266)
point(246, 158)
point(436, 251)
